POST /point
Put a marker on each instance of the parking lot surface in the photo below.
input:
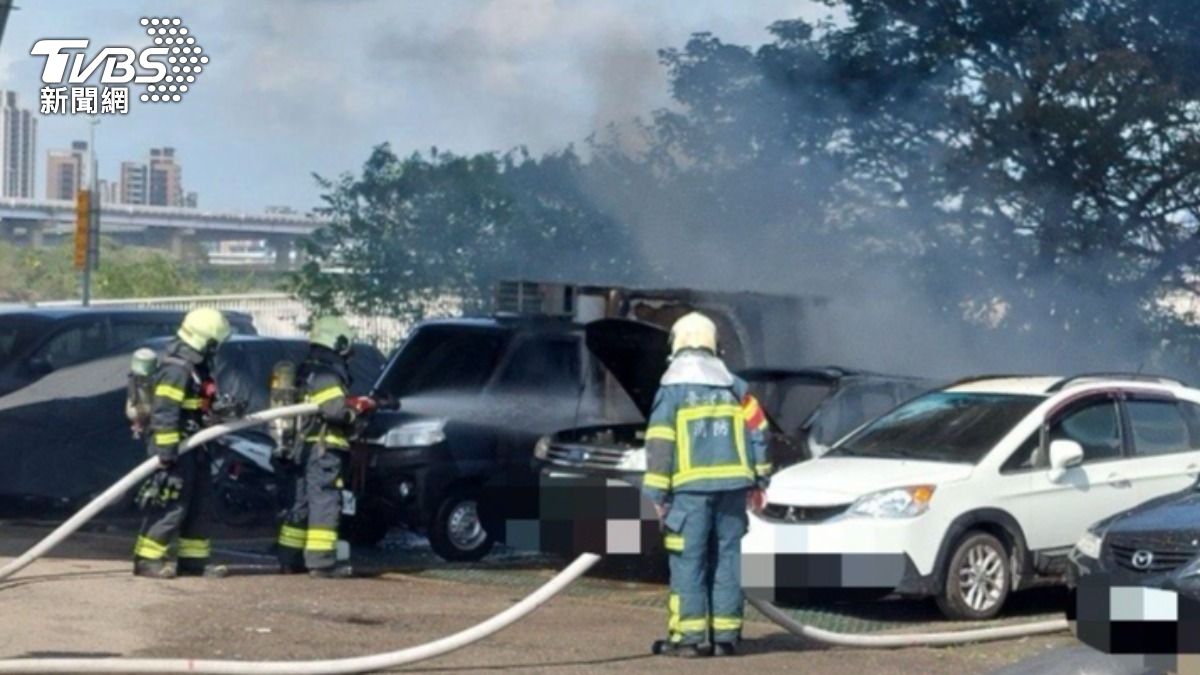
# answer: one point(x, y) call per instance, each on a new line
point(82, 602)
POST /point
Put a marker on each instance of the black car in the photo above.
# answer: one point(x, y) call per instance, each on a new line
point(1155, 544)
point(37, 342)
point(65, 437)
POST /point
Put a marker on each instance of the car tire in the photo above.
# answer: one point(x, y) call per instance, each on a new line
point(977, 579)
point(456, 532)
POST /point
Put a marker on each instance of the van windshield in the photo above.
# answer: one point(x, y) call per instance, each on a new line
point(444, 359)
point(940, 427)
point(16, 333)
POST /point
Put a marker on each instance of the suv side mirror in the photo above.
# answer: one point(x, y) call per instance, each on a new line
point(1064, 454)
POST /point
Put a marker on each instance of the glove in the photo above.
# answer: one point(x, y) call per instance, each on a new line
point(361, 404)
point(756, 500)
point(208, 393)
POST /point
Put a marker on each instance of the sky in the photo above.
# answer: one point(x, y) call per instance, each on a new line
point(298, 87)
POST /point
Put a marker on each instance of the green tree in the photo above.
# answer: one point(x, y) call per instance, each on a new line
point(408, 230)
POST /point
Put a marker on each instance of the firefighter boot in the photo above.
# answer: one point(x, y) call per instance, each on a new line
point(153, 569)
point(207, 570)
point(335, 572)
point(724, 649)
point(678, 650)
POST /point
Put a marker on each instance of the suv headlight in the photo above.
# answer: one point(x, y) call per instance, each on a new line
point(634, 461)
point(905, 502)
point(416, 435)
point(1089, 544)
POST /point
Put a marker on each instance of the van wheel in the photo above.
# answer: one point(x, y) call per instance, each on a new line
point(457, 532)
point(977, 579)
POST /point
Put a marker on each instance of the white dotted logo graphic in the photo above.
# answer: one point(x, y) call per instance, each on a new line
point(185, 59)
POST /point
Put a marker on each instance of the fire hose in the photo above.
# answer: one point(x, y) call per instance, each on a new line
point(375, 662)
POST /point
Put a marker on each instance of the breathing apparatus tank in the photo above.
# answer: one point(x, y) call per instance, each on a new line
point(284, 392)
point(138, 394)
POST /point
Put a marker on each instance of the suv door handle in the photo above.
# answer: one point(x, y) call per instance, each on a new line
point(1192, 469)
point(1115, 480)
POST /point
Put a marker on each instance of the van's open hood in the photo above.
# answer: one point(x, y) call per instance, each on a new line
point(636, 354)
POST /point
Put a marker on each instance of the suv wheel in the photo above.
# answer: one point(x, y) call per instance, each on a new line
point(457, 532)
point(977, 578)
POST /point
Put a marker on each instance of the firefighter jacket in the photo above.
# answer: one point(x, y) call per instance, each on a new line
point(327, 383)
point(706, 432)
point(177, 407)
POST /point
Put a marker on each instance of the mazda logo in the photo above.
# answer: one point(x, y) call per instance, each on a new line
point(1142, 559)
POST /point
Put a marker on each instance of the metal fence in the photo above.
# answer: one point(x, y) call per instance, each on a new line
point(276, 314)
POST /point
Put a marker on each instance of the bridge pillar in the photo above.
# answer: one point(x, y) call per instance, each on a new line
point(177, 241)
point(282, 248)
point(37, 235)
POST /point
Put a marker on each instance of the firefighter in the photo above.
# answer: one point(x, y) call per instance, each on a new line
point(707, 463)
point(308, 535)
point(175, 498)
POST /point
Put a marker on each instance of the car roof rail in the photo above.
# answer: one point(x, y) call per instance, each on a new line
point(1136, 377)
point(981, 378)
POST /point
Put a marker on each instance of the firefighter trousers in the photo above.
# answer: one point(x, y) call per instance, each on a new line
point(703, 538)
point(308, 535)
point(180, 518)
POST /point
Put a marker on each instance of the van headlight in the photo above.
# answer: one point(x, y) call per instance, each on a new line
point(541, 450)
point(416, 434)
point(633, 461)
point(905, 502)
point(1089, 544)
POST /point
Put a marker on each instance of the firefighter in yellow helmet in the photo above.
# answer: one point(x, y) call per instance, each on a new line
point(308, 536)
point(706, 462)
point(175, 498)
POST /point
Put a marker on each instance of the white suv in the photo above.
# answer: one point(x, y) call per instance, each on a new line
point(972, 491)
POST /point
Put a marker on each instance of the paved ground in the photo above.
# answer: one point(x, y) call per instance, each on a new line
point(82, 602)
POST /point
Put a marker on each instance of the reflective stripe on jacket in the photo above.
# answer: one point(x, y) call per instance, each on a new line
point(705, 438)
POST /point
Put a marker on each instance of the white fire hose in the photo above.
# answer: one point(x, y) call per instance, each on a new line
point(375, 662)
point(947, 638)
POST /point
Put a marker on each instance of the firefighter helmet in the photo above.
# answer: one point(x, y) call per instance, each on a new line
point(693, 331)
point(204, 329)
point(333, 332)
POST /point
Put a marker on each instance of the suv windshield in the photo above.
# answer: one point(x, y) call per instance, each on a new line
point(940, 427)
point(444, 359)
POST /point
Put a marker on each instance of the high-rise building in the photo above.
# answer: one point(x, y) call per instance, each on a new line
point(133, 183)
point(166, 178)
point(18, 143)
point(109, 193)
point(65, 171)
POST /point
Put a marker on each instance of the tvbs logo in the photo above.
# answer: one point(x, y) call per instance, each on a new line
point(167, 69)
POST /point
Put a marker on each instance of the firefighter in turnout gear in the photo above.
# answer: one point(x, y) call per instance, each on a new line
point(308, 535)
point(175, 498)
point(707, 463)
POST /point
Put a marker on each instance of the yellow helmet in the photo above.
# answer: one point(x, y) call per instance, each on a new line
point(333, 332)
point(693, 331)
point(204, 329)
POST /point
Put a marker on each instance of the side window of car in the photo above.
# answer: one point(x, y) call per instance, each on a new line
point(543, 364)
point(128, 333)
point(1025, 456)
point(1159, 427)
point(1095, 426)
point(73, 345)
